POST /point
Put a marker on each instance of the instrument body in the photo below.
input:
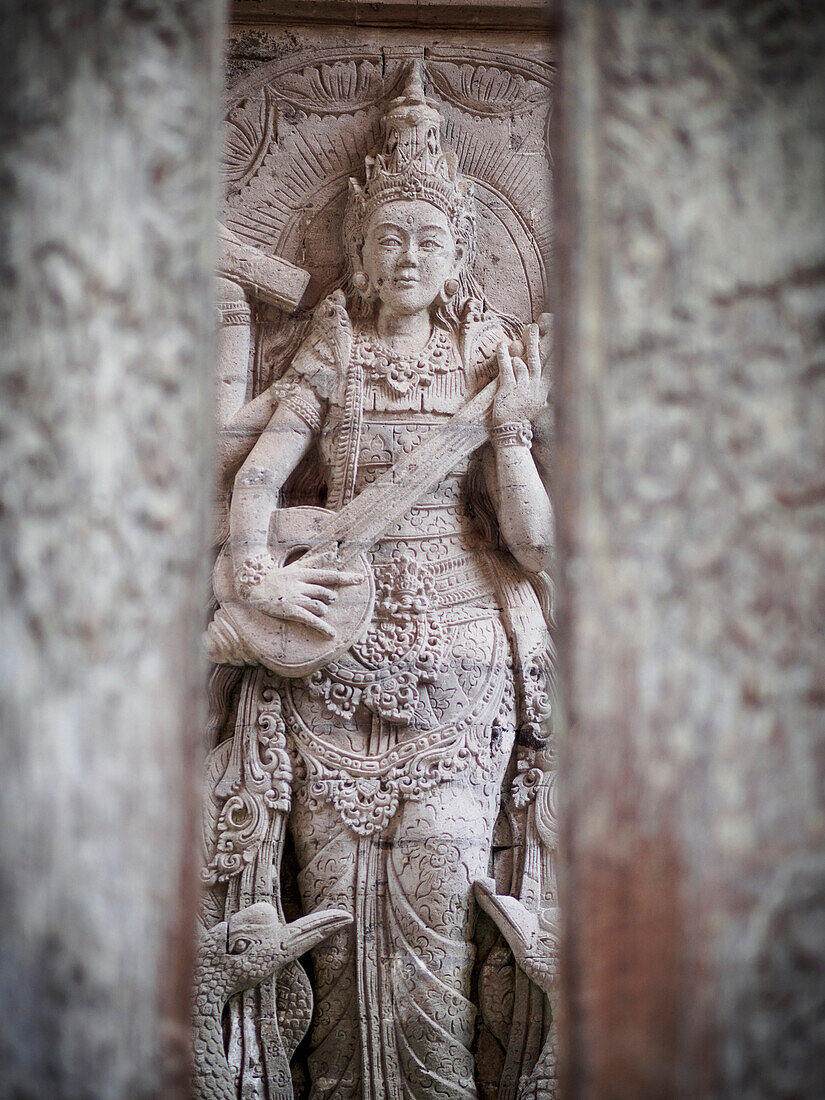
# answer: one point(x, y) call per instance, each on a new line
point(287, 647)
point(339, 539)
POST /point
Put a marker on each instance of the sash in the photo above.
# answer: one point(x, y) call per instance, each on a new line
point(364, 519)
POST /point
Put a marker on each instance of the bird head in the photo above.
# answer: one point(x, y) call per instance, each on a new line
point(533, 937)
point(255, 943)
point(514, 920)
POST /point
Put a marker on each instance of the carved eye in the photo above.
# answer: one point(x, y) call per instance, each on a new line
point(239, 946)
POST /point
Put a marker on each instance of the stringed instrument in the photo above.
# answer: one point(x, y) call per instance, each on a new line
point(340, 540)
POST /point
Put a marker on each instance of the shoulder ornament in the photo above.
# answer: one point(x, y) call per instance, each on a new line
point(481, 333)
point(324, 355)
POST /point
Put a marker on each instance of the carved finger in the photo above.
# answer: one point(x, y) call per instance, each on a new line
point(319, 574)
point(301, 615)
point(506, 378)
point(320, 592)
point(317, 607)
point(521, 373)
point(533, 354)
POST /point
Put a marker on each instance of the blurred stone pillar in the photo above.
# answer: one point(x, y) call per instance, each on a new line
point(691, 503)
point(108, 114)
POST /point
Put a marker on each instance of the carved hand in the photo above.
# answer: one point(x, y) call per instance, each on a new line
point(302, 592)
point(524, 385)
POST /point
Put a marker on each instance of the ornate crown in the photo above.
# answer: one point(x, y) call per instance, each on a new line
point(412, 164)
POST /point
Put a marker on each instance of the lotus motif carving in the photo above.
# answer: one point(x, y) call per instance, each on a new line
point(338, 88)
point(487, 90)
point(248, 130)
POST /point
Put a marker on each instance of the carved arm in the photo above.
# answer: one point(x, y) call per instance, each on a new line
point(523, 506)
point(258, 483)
point(303, 590)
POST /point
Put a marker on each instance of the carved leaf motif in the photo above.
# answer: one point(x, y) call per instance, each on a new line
point(248, 130)
point(343, 86)
point(487, 90)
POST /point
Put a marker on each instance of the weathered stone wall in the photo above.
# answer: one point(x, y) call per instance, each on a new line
point(108, 117)
point(691, 165)
point(692, 446)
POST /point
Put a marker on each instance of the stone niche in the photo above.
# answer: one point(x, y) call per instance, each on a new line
point(380, 783)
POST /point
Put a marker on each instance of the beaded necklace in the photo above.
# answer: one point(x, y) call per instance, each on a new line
point(400, 374)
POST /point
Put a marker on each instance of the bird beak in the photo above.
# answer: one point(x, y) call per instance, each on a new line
point(307, 932)
point(508, 914)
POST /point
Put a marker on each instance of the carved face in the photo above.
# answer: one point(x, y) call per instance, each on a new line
point(409, 251)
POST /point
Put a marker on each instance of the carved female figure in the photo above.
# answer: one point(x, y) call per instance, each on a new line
point(389, 753)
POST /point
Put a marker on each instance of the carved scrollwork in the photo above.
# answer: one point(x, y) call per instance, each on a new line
point(367, 791)
point(255, 785)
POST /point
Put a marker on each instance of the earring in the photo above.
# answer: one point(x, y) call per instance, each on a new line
point(361, 282)
point(450, 288)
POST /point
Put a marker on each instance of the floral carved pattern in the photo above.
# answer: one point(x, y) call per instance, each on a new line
point(249, 128)
point(486, 90)
point(338, 88)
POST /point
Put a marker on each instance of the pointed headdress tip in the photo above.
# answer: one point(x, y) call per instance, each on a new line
point(414, 88)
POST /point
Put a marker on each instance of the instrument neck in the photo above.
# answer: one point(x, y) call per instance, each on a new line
point(378, 507)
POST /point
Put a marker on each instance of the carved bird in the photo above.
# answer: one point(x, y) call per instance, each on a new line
point(534, 941)
point(533, 937)
point(235, 955)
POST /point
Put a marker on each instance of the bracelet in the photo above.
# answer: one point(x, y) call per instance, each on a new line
point(251, 572)
point(515, 433)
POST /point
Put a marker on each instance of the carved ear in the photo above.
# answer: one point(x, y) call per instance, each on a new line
point(361, 282)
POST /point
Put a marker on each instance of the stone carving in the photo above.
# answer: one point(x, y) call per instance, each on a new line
point(248, 130)
point(384, 672)
point(337, 88)
point(235, 955)
point(489, 89)
point(289, 196)
point(534, 940)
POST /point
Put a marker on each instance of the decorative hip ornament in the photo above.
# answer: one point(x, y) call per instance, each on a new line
point(397, 670)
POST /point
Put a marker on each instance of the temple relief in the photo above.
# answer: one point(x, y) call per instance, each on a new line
point(382, 759)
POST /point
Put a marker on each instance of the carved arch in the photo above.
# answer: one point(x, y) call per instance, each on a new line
point(300, 126)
